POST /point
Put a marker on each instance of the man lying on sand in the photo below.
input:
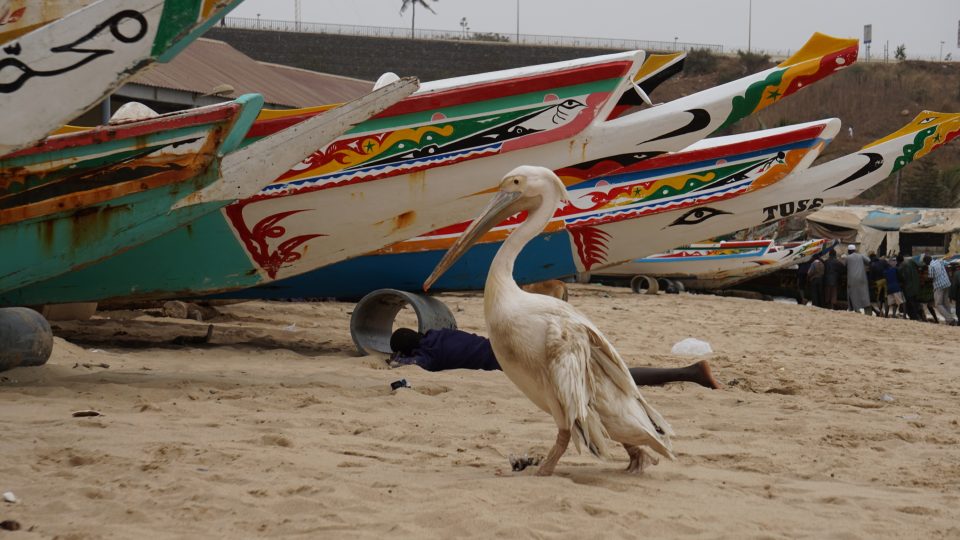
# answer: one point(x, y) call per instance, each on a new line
point(443, 349)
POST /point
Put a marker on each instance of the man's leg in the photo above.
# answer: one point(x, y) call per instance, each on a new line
point(913, 308)
point(831, 296)
point(696, 373)
point(941, 302)
point(817, 292)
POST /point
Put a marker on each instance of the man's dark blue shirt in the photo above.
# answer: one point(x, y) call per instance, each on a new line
point(446, 348)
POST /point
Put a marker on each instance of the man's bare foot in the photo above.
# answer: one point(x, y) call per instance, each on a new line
point(706, 376)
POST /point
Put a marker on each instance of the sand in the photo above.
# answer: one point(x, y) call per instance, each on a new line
point(831, 425)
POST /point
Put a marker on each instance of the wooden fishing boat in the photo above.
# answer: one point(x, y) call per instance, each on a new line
point(797, 195)
point(593, 242)
point(60, 69)
point(721, 265)
point(86, 195)
point(421, 165)
point(714, 169)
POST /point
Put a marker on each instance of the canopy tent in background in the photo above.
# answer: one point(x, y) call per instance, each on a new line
point(889, 230)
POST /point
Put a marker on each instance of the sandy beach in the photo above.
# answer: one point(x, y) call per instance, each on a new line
point(830, 425)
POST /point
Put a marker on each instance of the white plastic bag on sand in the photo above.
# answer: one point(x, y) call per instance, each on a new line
point(692, 347)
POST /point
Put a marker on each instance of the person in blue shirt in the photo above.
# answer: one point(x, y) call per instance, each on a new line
point(895, 298)
point(446, 348)
point(878, 283)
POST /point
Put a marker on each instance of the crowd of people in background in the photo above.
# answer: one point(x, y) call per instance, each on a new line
point(886, 287)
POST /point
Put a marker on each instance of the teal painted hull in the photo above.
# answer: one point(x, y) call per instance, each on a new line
point(56, 246)
point(204, 253)
point(48, 243)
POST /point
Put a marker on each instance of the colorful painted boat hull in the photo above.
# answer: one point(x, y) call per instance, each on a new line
point(828, 183)
point(695, 259)
point(797, 195)
point(81, 197)
point(366, 191)
point(59, 70)
point(714, 169)
point(719, 266)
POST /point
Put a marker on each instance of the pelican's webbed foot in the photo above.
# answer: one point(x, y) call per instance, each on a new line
point(639, 459)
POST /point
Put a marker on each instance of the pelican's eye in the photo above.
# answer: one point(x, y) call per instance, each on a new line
point(516, 181)
point(697, 215)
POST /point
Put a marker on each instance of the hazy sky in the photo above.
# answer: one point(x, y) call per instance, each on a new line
point(778, 25)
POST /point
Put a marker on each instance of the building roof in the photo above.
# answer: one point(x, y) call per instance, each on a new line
point(207, 64)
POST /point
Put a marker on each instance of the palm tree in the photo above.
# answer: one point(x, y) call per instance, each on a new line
point(413, 20)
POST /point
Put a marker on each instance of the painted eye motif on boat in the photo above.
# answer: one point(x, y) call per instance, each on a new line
point(563, 112)
point(697, 216)
point(571, 104)
point(927, 120)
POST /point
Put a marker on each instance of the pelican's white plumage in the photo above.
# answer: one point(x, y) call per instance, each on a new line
point(552, 352)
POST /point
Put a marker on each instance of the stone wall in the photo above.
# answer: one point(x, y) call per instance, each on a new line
point(369, 57)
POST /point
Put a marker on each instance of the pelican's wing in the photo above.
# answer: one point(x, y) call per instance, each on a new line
point(607, 359)
point(568, 351)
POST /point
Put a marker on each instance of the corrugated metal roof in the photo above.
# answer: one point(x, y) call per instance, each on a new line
point(209, 63)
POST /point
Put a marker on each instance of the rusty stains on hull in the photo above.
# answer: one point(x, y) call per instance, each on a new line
point(417, 181)
point(47, 235)
point(183, 172)
point(83, 228)
point(89, 225)
point(404, 220)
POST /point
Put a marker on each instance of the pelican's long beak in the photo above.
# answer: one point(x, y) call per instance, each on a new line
point(502, 206)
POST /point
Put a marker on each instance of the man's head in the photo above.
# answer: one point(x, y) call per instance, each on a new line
point(927, 259)
point(873, 255)
point(405, 340)
point(833, 254)
point(851, 248)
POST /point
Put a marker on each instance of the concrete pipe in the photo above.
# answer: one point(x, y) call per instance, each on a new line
point(25, 338)
point(664, 285)
point(644, 285)
point(669, 286)
point(372, 321)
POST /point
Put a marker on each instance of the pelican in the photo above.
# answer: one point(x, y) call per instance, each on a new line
point(551, 351)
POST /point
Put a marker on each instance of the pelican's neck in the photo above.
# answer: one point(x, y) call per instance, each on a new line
point(500, 277)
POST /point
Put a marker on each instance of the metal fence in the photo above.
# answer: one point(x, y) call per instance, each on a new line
point(424, 33)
